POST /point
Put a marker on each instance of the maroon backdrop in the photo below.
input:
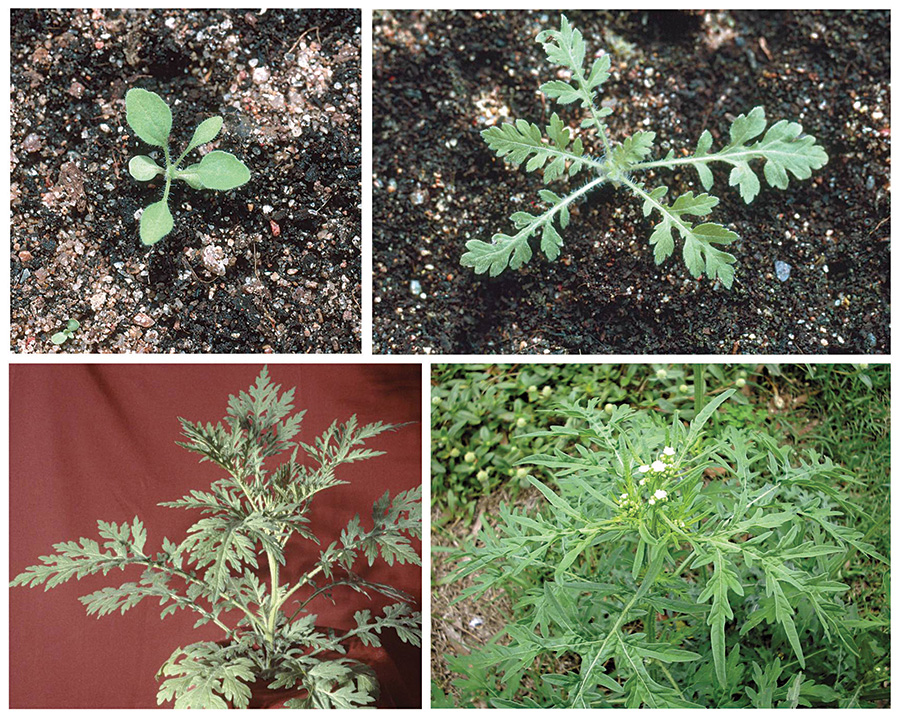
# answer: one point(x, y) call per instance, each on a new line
point(91, 442)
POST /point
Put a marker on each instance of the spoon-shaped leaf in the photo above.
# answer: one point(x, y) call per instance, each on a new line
point(143, 168)
point(149, 116)
point(205, 132)
point(221, 170)
point(156, 222)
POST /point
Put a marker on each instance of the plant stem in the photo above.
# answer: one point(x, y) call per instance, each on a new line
point(168, 173)
point(699, 387)
point(275, 602)
point(302, 582)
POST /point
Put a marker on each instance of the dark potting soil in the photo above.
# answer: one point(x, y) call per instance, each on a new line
point(273, 266)
point(440, 78)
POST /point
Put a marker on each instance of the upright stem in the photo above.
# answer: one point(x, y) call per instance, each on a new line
point(275, 598)
point(699, 387)
point(168, 173)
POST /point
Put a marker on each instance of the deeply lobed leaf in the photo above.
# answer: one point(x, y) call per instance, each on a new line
point(783, 149)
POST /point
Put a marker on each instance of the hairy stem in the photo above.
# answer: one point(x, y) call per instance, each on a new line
point(683, 227)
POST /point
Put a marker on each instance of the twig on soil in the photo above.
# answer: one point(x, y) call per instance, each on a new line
point(302, 34)
point(187, 264)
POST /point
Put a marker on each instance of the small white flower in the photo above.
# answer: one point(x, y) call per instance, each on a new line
point(624, 496)
point(669, 451)
point(644, 469)
point(652, 501)
point(642, 482)
point(658, 465)
point(660, 494)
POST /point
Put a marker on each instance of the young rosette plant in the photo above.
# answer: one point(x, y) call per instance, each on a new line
point(66, 333)
point(151, 119)
point(670, 568)
point(268, 633)
point(783, 148)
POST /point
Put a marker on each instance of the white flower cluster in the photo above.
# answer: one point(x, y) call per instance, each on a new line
point(661, 464)
point(662, 468)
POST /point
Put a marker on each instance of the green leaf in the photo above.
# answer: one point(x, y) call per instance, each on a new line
point(206, 132)
point(561, 91)
point(143, 168)
point(701, 256)
point(220, 171)
point(699, 253)
point(566, 47)
point(59, 338)
point(156, 222)
point(149, 116)
point(783, 149)
point(523, 142)
point(723, 578)
point(72, 325)
point(205, 675)
point(784, 614)
point(632, 150)
point(76, 559)
point(513, 250)
point(550, 241)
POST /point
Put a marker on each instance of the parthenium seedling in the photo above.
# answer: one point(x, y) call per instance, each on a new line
point(151, 119)
point(784, 148)
point(249, 516)
point(672, 566)
point(66, 333)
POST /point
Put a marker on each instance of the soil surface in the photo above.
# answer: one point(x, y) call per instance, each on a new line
point(440, 78)
point(272, 266)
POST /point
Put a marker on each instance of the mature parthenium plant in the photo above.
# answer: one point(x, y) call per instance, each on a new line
point(151, 119)
point(252, 513)
point(671, 568)
point(784, 148)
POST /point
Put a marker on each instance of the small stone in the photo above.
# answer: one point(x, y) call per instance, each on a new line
point(261, 74)
point(33, 142)
point(76, 89)
point(782, 270)
point(214, 259)
point(143, 320)
point(98, 300)
point(415, 287)
point(25, 256)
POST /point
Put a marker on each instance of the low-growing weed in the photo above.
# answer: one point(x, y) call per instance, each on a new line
point(782, 150)
point(678, 564)
point(151, 119)
point(479, 413)
point(66, 333)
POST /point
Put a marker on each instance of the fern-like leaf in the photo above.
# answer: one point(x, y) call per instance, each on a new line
point(784, 148)
point(700, 254)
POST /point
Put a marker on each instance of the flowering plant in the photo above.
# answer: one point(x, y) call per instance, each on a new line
point(672, 567)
